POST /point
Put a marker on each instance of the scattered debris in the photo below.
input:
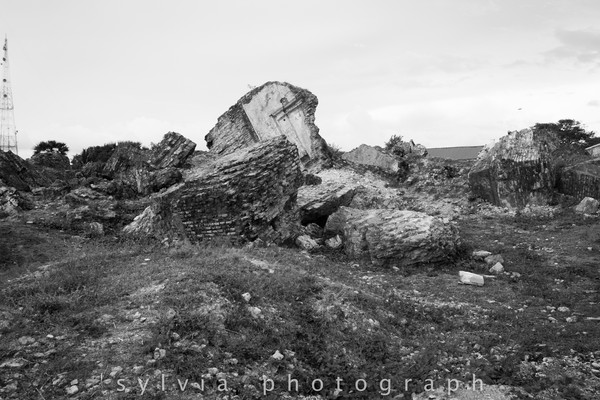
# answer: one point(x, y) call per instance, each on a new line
point(498, 268)
point(470, 278)
point(480, 254)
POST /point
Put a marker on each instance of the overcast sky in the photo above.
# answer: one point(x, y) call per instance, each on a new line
point(441, 72)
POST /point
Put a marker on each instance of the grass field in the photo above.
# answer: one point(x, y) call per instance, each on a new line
point(106, 318)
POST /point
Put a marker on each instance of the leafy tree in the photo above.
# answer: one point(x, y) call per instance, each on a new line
point(394, 145)
point(51, 146)
point(570, 132)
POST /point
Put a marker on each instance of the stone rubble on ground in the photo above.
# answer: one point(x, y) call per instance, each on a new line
point(588, 205)
point(497, 268)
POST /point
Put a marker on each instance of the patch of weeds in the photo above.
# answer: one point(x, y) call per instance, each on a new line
point(87, 324)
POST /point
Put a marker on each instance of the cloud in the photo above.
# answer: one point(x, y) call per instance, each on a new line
point(594, 103)
point(580, 45)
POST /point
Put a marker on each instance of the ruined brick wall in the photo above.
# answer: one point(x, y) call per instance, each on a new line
point(234, 121)
point(239, 195)
point(581, 180)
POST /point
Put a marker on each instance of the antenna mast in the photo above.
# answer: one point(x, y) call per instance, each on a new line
point(8, 130)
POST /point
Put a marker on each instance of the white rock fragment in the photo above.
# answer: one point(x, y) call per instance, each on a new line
point(469, 278)
point(498, 268)
point(71, 390)
point(480, 254)
point(255, 311)
point(334, 242)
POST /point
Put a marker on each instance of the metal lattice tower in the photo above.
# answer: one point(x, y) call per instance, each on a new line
point(8, 130)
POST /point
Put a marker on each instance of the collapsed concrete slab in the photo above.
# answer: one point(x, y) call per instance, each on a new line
point(240, 195)
point(316, 203)
point(372, 157)
point(518, 170)
point(394, 237)
point(273, 109)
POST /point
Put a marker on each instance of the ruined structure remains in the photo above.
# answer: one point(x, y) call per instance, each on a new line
point(173, 151)
point(372, 157)
point(18, 173)
point(518, 170)
point(127, 170)
point(271, 110)
point(581, 180)
point(242, 194)
point(394, 237)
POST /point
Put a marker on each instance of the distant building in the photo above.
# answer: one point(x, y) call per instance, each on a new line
point(594, 150)
point(455, 153)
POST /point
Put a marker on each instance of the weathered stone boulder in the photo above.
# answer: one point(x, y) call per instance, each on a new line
point(172, 151)
point(516, 171)
point(84, 196)
point(373, 157)
point(305, 242)
point(92, 169)
point(394, 237)
point(243, 194)
point(127, 156)
point(18, 173)
point(273, 109)
point(316, 203)
point(588, 205)
point(133, 171)
point(93, 229)
point(155, 221)
point(51, 159)
point(163, 178)
point(12, 202)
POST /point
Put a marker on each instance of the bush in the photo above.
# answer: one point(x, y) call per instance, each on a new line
point(335, 150)
point(97, 153)
point(51, 146)
point(394, 145)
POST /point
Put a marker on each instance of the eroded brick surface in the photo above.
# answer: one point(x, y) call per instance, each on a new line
point(239, 195)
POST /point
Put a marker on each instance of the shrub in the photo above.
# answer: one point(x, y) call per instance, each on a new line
point(335, 150)
point(97, 153)
point(51, 146)
point(394, 145)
